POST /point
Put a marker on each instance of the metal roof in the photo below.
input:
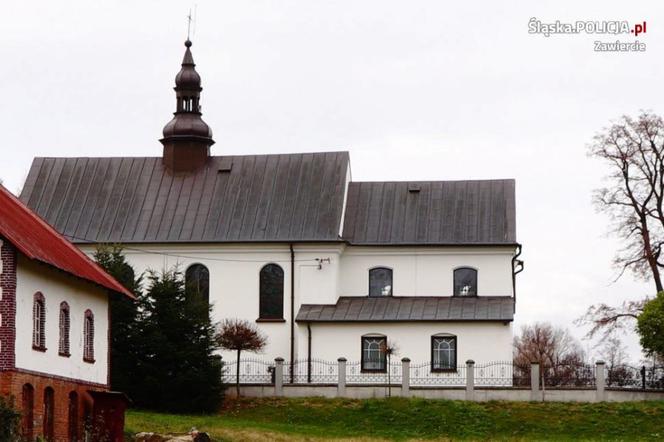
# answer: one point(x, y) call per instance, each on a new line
point(37, 240)
point(431, 212)
point(251, 198)
point(410, 308)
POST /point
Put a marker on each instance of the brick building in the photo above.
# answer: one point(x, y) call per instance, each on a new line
point(54, 331)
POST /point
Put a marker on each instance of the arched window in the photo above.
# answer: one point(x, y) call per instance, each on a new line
point(443, 352)
point(49, 406)
point(89, 337)
point(27, 411)
point(72, 419)
point(39, 322)
point(271, 297)
point(465, 281)
point(374, 354)
point(63, 344)
point(197, 282)
point(380, 281)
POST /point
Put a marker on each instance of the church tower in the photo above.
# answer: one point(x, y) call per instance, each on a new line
point(187, 138)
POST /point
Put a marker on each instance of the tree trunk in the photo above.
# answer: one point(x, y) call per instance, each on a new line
point(237, 374)
point(650, 256)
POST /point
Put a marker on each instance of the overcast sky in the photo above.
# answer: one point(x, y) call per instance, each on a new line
point(415, 90)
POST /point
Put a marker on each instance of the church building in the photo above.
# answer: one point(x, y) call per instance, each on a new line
point(326, 266)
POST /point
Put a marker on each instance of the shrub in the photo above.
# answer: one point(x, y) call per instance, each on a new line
point(9, 421)
point(650, 326)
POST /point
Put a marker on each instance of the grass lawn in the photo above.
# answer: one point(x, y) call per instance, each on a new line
point(403, 419)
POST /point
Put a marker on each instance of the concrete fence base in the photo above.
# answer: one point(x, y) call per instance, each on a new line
point(479, 394)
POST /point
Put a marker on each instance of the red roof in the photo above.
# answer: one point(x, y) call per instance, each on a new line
point(33, 237)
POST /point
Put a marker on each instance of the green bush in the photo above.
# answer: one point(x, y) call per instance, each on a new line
point(650, 325)
point(9, 420)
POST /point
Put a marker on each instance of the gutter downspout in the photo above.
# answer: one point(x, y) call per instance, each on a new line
point(292, 313)
point(309, 352)
point(517, 267)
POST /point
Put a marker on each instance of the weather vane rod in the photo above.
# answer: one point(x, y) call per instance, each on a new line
point(189, 20)
point(188, 23)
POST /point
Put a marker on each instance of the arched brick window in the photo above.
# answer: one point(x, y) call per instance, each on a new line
point(27, 411)
point(49, 409)
point(39, 322)
point(89, 337)
point(63, 343)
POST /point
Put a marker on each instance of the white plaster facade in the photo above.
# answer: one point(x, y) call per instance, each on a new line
point(479, 341)
point(56, 286)
point(417, 271)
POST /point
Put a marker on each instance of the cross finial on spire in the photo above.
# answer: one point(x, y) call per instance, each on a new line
point(189, 24)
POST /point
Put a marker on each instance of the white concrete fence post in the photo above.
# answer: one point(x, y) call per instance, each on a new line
point(470, 380)
point(405, 377)
point(534, 381)
point(600, 381)
point(279, 376)
point(341, 383)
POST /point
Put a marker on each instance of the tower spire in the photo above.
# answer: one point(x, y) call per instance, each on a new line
point(187, 138)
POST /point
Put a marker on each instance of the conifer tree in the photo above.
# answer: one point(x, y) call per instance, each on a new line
point(162, 344)
point(124, 326)
point(179, 371)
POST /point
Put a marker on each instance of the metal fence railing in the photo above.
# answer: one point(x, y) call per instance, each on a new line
point(569, 375)
point(252, 371)
point(313, 371)
point(502, 374)
point(391, 374)
point(423, 374)
point(628, 376)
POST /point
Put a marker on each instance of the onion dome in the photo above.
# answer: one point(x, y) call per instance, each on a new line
point(188, 78)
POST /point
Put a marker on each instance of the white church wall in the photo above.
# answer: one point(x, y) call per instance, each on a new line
point(427, 271)
point(234, 279)
point(480, 341)
point(56, 287)
point(234, 276)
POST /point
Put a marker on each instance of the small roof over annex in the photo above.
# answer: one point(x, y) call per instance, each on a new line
point(410, 308)
point(34, 238)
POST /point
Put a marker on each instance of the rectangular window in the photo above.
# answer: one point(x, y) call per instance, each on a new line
point(374, 357)
point(443, 353)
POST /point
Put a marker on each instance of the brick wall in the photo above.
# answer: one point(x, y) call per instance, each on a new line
point(12, 382)
point(7, 304)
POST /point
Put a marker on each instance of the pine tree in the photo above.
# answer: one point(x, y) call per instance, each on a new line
point(124, 326)
point(162, 344)
point(179, 371)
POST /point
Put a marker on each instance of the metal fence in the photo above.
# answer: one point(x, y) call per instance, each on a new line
point(489, 374)
point(502, 374)
point(569, 375)
point(628, 376)
point(313, 371)
point(252, 371)
point(319, 371)
point(391, 375)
